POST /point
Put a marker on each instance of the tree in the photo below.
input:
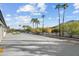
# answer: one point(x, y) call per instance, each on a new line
point(56, 31)
point(24, 27)
point(43, 22)
point(28, 28)
point(58, 6)
point(19, 25)
point(64, 6)
point(35, 22)
point(71, 28)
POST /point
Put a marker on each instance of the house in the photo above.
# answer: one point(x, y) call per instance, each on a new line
point(3, 26)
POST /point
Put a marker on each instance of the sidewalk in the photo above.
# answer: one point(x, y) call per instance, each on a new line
point(60, 37)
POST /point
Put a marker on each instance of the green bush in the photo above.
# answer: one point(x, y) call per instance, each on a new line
point(72, 28)
point(28, 29)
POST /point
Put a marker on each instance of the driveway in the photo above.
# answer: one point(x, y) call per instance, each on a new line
point(33, 45)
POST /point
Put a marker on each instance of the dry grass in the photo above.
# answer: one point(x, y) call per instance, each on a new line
point(1, 50)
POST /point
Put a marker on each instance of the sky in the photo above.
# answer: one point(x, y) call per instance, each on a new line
point(16, 14)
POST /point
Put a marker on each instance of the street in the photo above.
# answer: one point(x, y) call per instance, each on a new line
point(24, 44)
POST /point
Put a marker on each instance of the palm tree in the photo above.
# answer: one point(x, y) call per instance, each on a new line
point(19, 25)
point(33, 21)
point(43, 22)
point(58, 6)
point(64, 6)
point(24, 27)
point(37, 22)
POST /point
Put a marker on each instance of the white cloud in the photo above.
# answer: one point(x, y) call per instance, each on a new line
point(50, 18)
point(35, 9)
point(76, 11)
point(17, 20)
point(36, 13)
point(26, 8)
point(23, 19)
point(76, 7)
point(40, 19)
point(8, 15)
point(7, 19)
point(42, 7)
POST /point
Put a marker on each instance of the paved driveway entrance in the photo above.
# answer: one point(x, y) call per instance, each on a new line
point(28, 44)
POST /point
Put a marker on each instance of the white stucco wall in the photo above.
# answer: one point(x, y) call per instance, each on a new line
point(4, 32)
point(1, 33)
point(2, 26)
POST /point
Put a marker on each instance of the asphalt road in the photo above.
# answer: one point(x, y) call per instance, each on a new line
point(34, 45)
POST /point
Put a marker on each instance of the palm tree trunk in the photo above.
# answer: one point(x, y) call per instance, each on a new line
point(63, 22)
point(33, 25)
point(43, 24)
point(37, 26)
point(59, 22)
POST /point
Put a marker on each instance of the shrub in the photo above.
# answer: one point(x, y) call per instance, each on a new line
point(48, 30)
point(28, 29)
point(72, 28)
point(33, 30)
point(36, 31)
point(56, 30)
